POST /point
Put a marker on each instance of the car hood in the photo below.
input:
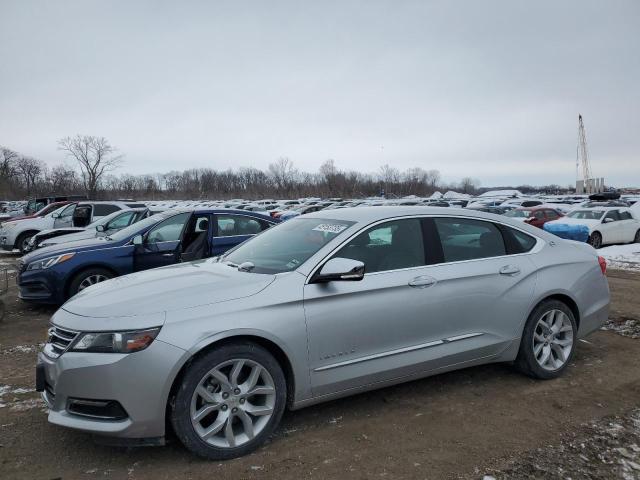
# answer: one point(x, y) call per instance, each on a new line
point(72, 236)
point(175, 287)
point(77, 246)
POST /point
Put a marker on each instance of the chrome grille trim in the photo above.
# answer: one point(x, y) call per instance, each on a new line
point(58, 341)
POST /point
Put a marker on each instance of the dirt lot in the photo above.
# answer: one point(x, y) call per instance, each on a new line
point(481, 421)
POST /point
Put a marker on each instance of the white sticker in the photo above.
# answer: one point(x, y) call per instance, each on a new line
point(331, 228)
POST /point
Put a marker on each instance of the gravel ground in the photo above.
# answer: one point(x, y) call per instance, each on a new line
point(483, 421)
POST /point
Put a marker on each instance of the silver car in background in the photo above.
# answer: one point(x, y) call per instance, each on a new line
point(323, 306)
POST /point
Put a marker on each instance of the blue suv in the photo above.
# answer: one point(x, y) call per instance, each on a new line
point(53, 274)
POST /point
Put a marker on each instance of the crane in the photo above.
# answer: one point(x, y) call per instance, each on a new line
point(589, 184)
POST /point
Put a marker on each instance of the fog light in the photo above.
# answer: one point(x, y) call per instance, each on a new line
point(99, 409)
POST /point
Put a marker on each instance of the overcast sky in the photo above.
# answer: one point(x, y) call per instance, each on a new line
point(485, 89)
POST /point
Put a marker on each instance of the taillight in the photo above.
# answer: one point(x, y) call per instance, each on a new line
point(603, 265)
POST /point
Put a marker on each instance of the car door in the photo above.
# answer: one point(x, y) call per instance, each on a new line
point(465, 304)
point(629, 226)
point(537, 218)
point(161, 244)
point(550, 214)
point(371, 330)
point(232, 229)
point(65, 217)
point(611, 228)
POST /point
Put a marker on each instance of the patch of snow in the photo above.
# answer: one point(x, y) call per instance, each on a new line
point(624, 257)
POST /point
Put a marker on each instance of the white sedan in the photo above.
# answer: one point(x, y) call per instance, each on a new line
point(607, 225)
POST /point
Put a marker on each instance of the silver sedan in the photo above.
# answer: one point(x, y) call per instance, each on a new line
point(326, 305)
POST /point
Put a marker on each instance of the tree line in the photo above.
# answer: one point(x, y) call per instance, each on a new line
point(23, 176)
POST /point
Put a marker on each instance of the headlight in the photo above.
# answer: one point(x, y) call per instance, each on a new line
point(50, 261)
point(115, 342)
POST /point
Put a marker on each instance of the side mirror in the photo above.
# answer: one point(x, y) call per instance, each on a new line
point(55, 215)
point(607, 220)
point(100, 228)
point(340, 269)
point(137, 240)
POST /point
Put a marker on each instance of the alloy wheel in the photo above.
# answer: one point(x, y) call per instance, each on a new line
point(91, 280)
point(553, 340)
point(233, 403)
point(595, 240)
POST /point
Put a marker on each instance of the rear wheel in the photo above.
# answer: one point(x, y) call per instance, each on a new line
point(229, 401)
point(595, 240)
point(87, 278)
point(637, 237)
point(548, 340)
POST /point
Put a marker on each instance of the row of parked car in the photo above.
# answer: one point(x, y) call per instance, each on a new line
point(69, 245)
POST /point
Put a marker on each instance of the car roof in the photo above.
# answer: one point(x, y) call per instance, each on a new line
point(372, 214)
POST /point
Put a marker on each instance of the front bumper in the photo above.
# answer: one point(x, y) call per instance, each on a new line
point(140, 382)
point(40, 286)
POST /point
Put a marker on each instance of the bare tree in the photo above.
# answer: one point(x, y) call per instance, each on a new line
point(283, 174)
point(95, 155)
point(29, 169)
point(63, 179)
point(469, 185)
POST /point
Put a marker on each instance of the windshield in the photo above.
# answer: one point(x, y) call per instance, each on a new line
point(287, 246)
point(586, 214)
point(518, 213)
point(48, 209)
point(136, 227)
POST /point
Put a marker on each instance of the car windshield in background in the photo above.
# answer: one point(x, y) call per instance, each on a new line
point(136, 227)
point(518, 213)
point(586, 214)
point(287, 246)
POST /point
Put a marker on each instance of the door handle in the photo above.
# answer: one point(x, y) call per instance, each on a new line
point(509, 270)
point(422, 282)
point(168, 254)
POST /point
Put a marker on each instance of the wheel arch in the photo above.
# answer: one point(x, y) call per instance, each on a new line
point(565, 298)
point(19, 236)
point(73, 274)
point(271, 345)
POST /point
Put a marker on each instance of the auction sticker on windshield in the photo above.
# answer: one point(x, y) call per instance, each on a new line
point(331, 227)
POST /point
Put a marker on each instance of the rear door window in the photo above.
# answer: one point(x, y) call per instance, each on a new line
point(613, 214)
point(104, 209)
point(469, 239)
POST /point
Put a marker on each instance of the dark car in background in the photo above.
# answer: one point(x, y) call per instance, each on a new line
point(53, 274)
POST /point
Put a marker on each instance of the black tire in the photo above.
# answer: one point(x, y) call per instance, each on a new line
point(526, 361)
point(180, 409)
point(637, 237)
point(595, 240)
point(76, 283)
point(22, 240)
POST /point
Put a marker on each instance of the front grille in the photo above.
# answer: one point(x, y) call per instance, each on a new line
point(59, 341)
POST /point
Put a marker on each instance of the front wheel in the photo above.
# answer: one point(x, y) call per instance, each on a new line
point(548, 340)
point(595, 240)
point(87, 278)
point(229, 401)
point(22, 242)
